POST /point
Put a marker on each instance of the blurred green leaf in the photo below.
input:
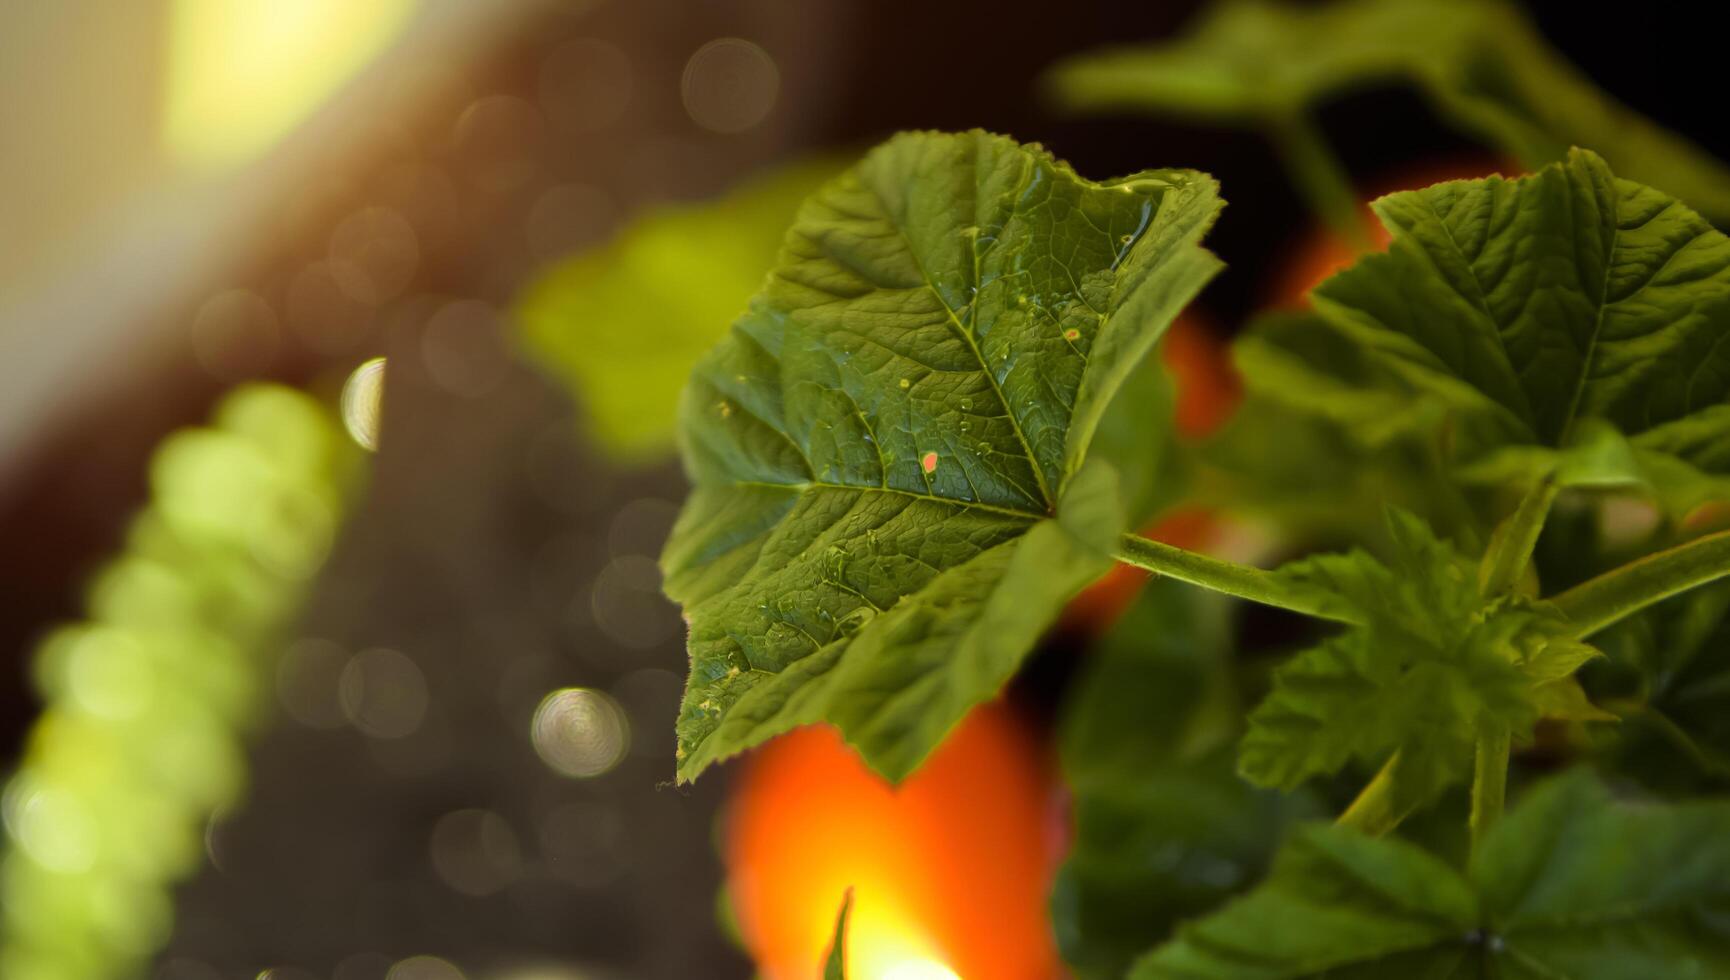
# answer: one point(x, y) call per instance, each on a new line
point(149, 701)
point(1479, 62)
point(1137, 435)
point(1328, 437)
point(1570, 884)
point(1318, 483)
point(1164, 828)
point(622, 325)
point(890, 500)
point(1668, 671)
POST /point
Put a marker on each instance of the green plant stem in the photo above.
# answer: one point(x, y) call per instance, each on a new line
point(1709, 762)
point(1377, 809)
point(1319, 177)
point(1511, 546)
point(1489, 781)
point(1600, 602)
point(1230, 578)
point(1504, 563)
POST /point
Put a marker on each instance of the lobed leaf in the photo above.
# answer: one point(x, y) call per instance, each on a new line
point(1431, 665)
point(1570, 884)
point(1336, 904)
point(1554, 311)
point(1560, 326)
point(890, 500)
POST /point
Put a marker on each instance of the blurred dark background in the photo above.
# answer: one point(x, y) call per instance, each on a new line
point(496, 552)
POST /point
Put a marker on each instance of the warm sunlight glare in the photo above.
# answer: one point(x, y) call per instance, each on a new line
point(241, 75)
point(884, 943)
point(949, 871)
point(919, 970)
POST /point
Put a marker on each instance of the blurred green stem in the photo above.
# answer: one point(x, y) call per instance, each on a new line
point(1377, 809)
point(1489, 782)
point(1600, 602)
point(1511, 546)
point(1319, 177)
point(1230, 578)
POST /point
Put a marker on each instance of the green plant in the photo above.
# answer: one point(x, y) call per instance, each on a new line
point(936, 421)
point(653, 300)
point(149, 701)
point(895, 493)
point(1269, 63)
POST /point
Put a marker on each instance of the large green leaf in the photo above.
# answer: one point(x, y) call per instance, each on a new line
point(1431, 666)
point(621, 325)
point(1570, 321)
point(1478, 61)
point(1571, 884)
point(1164, 828)
point(890, 501)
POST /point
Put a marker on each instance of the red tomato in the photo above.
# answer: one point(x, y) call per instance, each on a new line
point(949, 871)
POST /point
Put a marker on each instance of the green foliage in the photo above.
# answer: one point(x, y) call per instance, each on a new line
point(936, 419)
point(1480, 64)
point(623, 324)
point(1328, 437)
point(1668, 671)
point(1536, 306)
point(1164, 829)
point(1431, 666)
point(1137, 436)
point(150, 698)
point(894, 495)
point(1571, 884)
point(1559, 326)
point(890, 499)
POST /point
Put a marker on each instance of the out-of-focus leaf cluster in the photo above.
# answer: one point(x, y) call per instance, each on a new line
point(149, 700)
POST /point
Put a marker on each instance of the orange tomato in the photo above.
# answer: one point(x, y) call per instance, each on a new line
point(949, 871)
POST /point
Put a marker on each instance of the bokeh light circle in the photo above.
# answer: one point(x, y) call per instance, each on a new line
point(730, 85)
point(579, 732)
point(363, 403)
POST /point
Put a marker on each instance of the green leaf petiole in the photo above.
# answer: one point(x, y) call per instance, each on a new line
point(1231, 578)
point(1511, 547)
point(1319, 176)
point(1377, 808)
point(1489, 782)
point(1603, 601)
